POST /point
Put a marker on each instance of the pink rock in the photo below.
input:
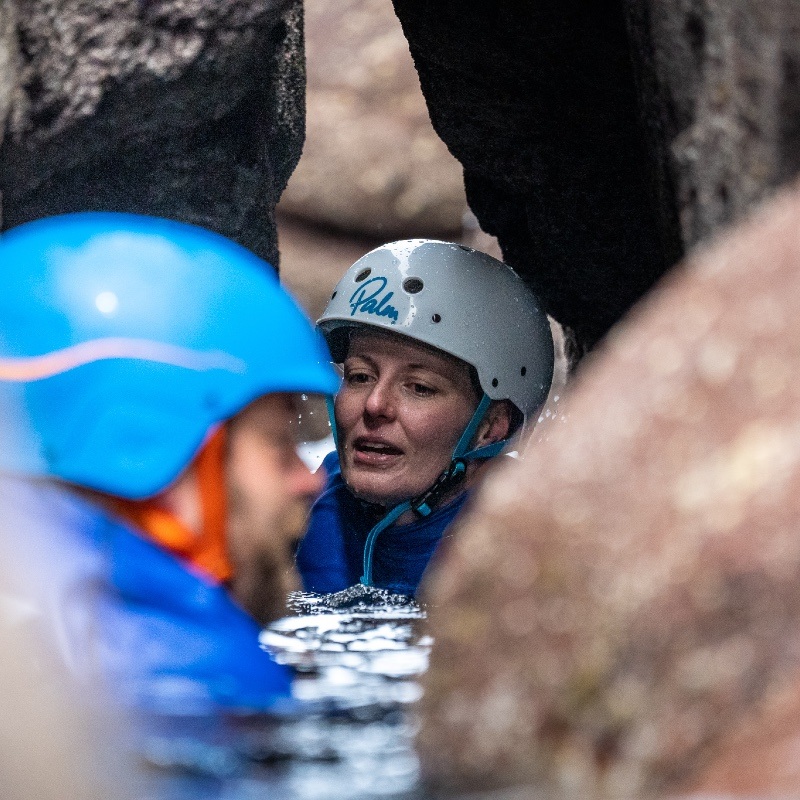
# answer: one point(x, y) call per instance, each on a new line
point(372, 164)
point(759, 757)
point(625, 598)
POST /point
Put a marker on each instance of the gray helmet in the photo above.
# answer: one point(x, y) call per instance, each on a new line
point(458, 300)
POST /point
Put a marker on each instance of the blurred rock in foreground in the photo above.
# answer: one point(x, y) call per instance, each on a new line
point(620, 616)
point(372, 164)
point(52, 745)
point(190, 110)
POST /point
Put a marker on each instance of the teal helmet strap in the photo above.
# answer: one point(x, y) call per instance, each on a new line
point(461, 450)
point(424, 503)
point(369, 546)
point(329, 403)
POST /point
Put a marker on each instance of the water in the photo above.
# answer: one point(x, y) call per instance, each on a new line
point(358, 655)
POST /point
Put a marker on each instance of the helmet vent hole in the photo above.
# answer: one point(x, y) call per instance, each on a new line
point(523, 371)
point(465, 248)
point(495, 382)
point(334, 295)
point(413, 285)
point(436, 318)
point(365, 273)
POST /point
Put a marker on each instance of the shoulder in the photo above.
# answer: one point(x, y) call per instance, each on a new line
point(120, 609)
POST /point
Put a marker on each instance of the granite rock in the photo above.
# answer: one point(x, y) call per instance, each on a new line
point(8, 57)
point(8, 71)
point(601, 141)
point(539, 103)
point(720, 81)
point(618, 617)
point(372, 164)
point(190, 109)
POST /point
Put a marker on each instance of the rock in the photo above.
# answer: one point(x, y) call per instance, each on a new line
point(190, 109)
point(602, 141)
point(313, 261)
point(8, 71)
point(760, 757)
point(721, 88)
point(618, 617)
point(539, 104)
point(372, 164)
point(7, 64)
point(55, 743)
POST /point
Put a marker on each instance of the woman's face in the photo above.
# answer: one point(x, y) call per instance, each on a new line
point(400, 413)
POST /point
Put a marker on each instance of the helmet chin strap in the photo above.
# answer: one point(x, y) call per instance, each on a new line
point(424, 503)
point(329, 403)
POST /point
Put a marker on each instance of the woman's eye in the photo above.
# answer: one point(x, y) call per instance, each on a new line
point(357, 377)
point(422, 390)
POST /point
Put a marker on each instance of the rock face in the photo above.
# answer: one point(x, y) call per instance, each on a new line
point(720, 82)
point(372, 164)
point(602, 140)
point(538, 102)
point(8, 71)
point(619, 617)
point(190, 109)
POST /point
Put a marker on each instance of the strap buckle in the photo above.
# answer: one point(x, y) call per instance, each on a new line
point(423, 505)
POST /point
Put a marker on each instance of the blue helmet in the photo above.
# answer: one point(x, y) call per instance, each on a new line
point(124, 339)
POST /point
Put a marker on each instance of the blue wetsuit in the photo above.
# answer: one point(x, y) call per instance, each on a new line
point(331, 555)
point(122, 614)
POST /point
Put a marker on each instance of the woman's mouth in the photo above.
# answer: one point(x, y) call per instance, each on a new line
point(375, 452)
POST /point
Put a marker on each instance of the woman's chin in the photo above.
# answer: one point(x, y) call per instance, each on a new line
point(380, 488)
point(378, 498)
point(378, 493)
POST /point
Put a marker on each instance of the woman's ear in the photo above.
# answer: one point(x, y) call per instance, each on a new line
point(496, 425)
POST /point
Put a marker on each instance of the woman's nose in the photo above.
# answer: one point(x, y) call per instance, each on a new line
point(380, 401)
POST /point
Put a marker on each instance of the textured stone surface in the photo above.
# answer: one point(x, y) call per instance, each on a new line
point(620, 612)
point(7, 64)
point(190, 109)
point(8, 71)
point(721, 85)
point(602, 140)
point(759, 758)
point(538, 102)
point(372, 164)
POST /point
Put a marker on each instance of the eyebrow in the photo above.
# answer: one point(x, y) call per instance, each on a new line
point(413, 365)
point(451, 378)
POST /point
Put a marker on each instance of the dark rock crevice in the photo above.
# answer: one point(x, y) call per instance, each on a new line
point(539, 103)
point(602, 141)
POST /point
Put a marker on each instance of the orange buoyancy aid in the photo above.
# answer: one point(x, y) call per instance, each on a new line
point(207, 549)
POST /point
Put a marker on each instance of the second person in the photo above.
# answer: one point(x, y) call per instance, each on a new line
point(445, 353)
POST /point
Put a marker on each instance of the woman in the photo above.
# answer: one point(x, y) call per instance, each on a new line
point(445, 353)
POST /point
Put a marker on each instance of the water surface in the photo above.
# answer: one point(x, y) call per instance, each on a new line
point(347, 733)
